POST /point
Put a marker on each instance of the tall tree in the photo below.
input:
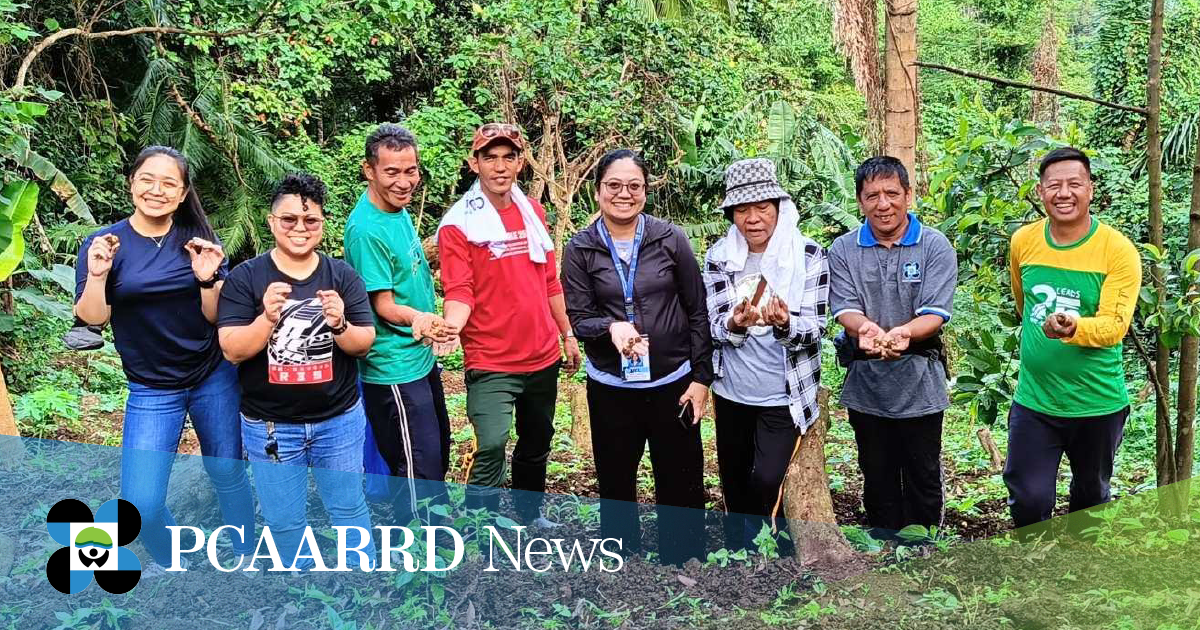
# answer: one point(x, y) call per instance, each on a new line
point(891, 96)
point(1164, 452)
point(900, 127)
point(1189, 349)
point(1044, 107)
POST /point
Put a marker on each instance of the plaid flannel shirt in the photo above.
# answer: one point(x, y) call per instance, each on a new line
point(801, 340)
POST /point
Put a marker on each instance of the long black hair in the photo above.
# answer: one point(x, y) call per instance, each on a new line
point(190, 215)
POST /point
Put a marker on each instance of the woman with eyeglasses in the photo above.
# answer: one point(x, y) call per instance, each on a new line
point(635, 297)
point(155, 277)
point(295, 320)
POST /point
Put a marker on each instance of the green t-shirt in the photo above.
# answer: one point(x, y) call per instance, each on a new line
point(1096, 280)
point(385, 250)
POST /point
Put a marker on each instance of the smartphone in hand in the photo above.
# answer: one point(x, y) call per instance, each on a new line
point(686, 416)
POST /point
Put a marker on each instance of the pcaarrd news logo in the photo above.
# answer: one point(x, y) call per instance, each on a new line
point(93, 546)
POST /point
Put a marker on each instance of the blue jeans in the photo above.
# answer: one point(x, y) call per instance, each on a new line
point(153, 428)
point(333, 449)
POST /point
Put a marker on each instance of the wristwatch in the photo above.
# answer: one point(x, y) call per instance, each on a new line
point(211, 282)
point(340, 329)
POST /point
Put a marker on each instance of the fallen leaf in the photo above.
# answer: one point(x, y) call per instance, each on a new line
point(256, 619)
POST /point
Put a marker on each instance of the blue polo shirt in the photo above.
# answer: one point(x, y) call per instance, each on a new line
point(891, 286)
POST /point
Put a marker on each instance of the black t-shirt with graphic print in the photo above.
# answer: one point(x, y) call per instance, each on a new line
point(302, 375)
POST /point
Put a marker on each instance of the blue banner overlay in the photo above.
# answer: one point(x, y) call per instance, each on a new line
point(448, 555)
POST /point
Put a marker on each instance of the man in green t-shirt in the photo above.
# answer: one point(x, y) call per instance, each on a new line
point(402, 387)
point(1075, 282)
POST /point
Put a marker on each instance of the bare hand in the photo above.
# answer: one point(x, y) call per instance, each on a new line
point(101, 253)
point(431, 326)
point(333, 308)
point(775, 313)
point(446, 348)
point(627, 340)
point(697, 395)
point(274, 299)
point(573, 356)
point(1059, 326)
point(895, 342)
point(870, 338)
point(206, 258)
point(744, 316)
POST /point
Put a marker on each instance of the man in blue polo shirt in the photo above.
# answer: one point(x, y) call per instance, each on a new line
point(891, 287)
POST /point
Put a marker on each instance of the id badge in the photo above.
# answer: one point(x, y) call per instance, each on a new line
point(636, 370)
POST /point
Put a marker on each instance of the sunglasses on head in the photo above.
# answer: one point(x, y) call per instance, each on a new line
point(492, 130)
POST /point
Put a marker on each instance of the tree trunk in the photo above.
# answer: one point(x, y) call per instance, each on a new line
point(1185, 419)
point(581, 418)
point(808, 505)
point(12, 451)
point(1164, 455)
point(900, 78)
point(1044, 108)
point(988, 443)
point(856, 36)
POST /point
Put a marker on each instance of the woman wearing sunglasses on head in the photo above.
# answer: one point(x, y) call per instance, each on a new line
point(155, 277)
point(635, 297)
point(294, 320)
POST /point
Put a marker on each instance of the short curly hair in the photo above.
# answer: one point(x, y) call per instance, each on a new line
point(304, 185)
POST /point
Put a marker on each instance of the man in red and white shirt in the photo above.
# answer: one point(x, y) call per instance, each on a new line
point(502, 293)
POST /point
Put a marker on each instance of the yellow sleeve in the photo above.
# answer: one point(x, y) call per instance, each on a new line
point(1118, 299)
point(1014, 272)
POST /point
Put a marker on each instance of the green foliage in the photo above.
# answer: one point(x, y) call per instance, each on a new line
point(1178, 314)
point(42, 412)
point(17, 203)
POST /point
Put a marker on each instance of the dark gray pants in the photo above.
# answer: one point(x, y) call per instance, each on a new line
point(1036, 443)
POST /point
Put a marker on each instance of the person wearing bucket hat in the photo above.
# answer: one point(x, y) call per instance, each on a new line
point(503, 296)
point(768, 289)
point(892, 283)
point(635, 297)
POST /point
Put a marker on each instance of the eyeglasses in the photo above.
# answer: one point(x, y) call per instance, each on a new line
point(167, 186)
point(615, 187)
point(491, 130)
point(289, 221)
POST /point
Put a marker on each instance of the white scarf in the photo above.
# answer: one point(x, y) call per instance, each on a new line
point(782, 262)
point(480, 222)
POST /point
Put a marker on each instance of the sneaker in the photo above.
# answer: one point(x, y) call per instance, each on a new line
point(541, 522)
point(156, 570)
point(84, 338)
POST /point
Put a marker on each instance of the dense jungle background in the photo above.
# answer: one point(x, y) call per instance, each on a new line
point(251, 89)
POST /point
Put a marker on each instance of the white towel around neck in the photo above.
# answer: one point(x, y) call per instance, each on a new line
point(480, 221)
point(782, 262)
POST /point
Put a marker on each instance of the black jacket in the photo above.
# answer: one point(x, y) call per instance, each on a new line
point(668, 294)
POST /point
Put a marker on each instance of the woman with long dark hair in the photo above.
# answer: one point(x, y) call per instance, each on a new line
point(155, 277)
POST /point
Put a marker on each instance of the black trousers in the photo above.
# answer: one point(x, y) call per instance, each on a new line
point(412, 429)
point(754, 447)
point(623, 421)
point(1036, 443)
point(901, 464)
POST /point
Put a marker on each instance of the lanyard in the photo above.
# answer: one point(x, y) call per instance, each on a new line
point(626, 280)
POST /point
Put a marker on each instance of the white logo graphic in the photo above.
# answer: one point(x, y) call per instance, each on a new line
point(1053, 300)
point(300, 350)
